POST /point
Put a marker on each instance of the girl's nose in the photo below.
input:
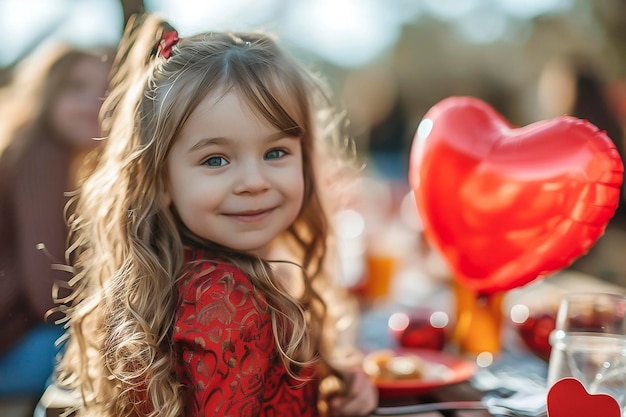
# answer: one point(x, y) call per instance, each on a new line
point(252, 178)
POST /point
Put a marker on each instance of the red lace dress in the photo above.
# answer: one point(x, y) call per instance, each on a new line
point(226, 354)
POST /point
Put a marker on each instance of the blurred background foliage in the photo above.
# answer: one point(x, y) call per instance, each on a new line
point(388, 61)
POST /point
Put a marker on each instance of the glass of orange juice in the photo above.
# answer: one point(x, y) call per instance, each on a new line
point(380, 270)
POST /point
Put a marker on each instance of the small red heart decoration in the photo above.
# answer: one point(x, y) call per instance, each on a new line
point(569, 398)
point(505, 205)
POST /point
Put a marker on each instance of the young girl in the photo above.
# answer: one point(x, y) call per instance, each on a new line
point(48, 121)
point(201, 239)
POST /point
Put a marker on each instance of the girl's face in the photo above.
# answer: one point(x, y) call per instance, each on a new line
point(234, 179)
point(74, 116)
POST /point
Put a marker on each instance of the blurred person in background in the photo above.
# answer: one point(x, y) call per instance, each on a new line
point(572, 85)
point(48, 123)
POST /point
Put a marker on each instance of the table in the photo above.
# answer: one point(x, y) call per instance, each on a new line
point(374, 334)
point(512, 371)
point(458, 392)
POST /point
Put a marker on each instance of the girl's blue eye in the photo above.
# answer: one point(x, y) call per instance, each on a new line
point(215, 161)
point(275, 154)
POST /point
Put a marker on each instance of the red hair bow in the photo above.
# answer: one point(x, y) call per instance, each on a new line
point(169, 39)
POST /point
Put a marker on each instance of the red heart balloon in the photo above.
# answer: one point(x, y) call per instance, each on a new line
point(569, 398)
point(505, 205)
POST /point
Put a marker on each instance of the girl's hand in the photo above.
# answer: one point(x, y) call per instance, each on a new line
point(360, 398)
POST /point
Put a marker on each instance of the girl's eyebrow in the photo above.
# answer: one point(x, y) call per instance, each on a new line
point(220, 140)
point(208, 141)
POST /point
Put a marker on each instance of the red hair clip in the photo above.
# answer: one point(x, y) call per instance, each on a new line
point(169, 39)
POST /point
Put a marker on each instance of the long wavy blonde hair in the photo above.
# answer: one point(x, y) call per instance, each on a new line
point(127, 246)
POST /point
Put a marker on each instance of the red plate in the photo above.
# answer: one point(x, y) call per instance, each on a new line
point(440, 370)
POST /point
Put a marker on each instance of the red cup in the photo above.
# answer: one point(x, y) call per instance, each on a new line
point(419, 328)
point(535, 332)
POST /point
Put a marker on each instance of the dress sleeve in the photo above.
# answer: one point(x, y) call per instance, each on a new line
point(224, 341)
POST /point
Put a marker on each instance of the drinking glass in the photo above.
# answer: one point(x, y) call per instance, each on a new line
point(589, 343)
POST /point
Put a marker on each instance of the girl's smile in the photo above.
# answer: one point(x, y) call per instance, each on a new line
point(250, 216)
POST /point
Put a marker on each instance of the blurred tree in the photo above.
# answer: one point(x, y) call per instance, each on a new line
point(611, 14)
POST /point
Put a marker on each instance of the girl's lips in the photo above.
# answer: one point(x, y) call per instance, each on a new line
point(251, 217)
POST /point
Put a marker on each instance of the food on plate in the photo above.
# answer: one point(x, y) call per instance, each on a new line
point(387, 365)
